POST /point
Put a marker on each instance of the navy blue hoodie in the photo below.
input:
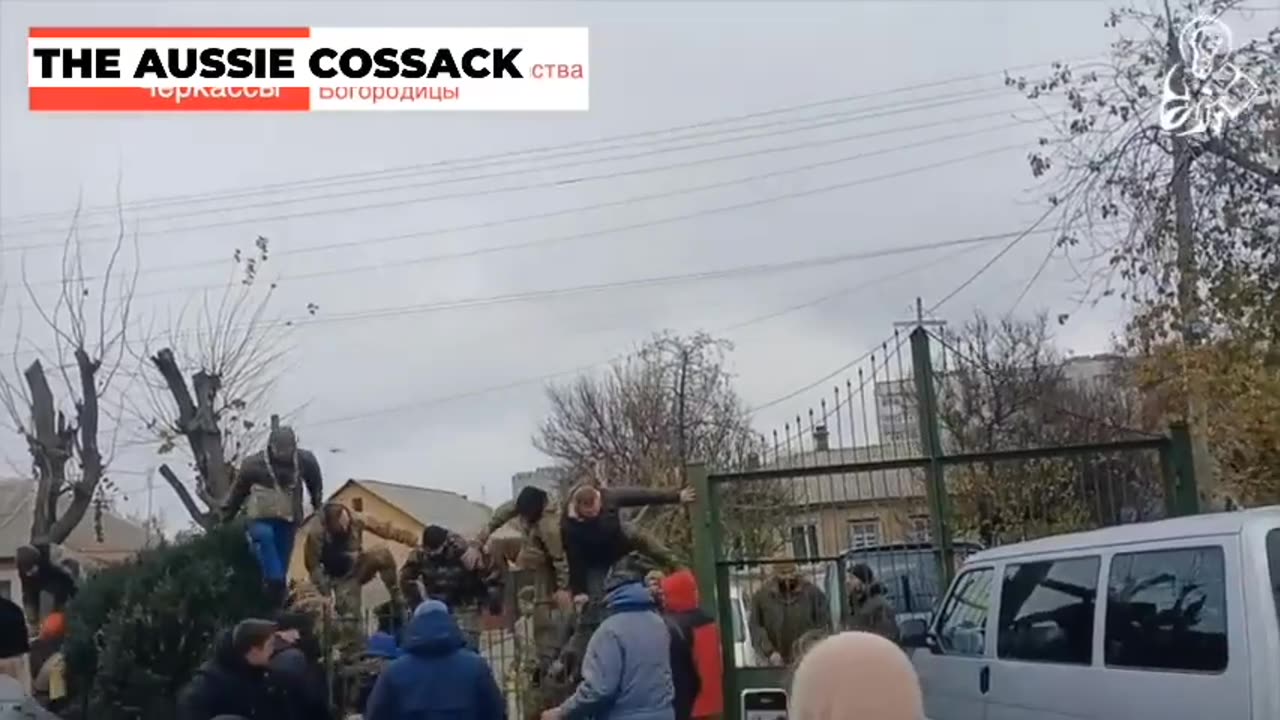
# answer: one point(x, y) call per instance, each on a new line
point(437, 677)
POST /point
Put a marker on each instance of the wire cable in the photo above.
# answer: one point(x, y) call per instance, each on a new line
point(551, 293)
point(540, 169)
point(547, 377)
point(403, 202)
point(557, 239)
point(342, 178)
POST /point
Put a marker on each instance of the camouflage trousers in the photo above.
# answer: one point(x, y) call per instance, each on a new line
point(541, 635)
point(347, 591)
point(468, 619)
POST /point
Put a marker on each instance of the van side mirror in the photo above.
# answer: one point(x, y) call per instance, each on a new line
point(915, 633)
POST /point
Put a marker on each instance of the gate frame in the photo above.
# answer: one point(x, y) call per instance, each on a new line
point(712, 567)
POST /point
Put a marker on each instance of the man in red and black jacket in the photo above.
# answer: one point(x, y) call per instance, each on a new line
point(680, 603)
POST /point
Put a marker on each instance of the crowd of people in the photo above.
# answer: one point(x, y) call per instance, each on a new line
point(616, 625)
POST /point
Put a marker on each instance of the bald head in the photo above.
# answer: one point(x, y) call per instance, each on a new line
point(884, 687)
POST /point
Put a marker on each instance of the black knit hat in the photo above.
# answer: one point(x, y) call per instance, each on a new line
point(433, 536)
point(531, 502)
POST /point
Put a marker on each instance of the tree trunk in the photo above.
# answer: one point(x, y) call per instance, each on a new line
point(50, 445)
point(205, 519)
point(197, 421)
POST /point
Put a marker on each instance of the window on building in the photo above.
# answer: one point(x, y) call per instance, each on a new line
point(1167, 610)
point(357, 504)
point(804, 541)
point(864, 533)
point(962, 621)
point(919, 529)
point(1273, 561)
point(1046, 611)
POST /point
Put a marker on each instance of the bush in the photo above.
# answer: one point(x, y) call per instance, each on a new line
point(137, 632)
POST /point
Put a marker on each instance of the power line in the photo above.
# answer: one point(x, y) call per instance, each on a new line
point(857, 116)
point(169, 200)
point(546, 377)
point(555, 239)
point(1016, 239)
point(551, 293)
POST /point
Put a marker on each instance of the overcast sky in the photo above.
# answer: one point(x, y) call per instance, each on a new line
point(373, 387)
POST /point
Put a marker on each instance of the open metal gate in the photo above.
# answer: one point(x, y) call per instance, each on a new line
point(913, 485)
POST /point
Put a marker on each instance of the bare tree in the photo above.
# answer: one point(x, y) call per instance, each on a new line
point(1009, 389)
point(63, 421)
point(671, 403)
point(232, 351)
point(1183, 223)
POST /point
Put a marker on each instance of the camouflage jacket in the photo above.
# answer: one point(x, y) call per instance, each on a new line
point(543, 548)
point(331, 557)
point(445, 576)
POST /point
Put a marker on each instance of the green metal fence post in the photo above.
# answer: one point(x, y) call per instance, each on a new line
point(705, 536)
point(931, 445)
point(1186, 494)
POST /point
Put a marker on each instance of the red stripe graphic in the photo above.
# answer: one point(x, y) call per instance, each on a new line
point(168, 32)
point(134, 99)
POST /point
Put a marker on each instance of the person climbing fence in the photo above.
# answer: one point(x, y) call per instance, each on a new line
point(461, 575)
point(338, 562)
point(270, 484)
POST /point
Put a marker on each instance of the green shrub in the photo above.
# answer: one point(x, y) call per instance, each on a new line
point(137, 632)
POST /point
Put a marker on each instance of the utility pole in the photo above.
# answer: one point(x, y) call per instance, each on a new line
point(1184, 156)
point(906, 389)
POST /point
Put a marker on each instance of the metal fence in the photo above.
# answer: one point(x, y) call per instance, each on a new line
point(505, 641)
point(925, 454)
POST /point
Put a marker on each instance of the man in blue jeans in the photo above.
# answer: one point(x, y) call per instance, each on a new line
point(271, 482)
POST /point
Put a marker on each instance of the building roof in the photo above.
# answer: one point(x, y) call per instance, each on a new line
point(120, 537)
point(1207, 525)
point(839, 488)
point(430, 506)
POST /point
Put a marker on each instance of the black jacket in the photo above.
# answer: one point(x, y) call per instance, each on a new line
point(302, 682)
point(227, 685)
point(592, 547)
point(684, 668)
point(14, 640)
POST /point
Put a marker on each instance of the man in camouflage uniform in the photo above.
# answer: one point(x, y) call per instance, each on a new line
point(449, 569)
point(338, 562)
point(539, 634)
point(548, 605)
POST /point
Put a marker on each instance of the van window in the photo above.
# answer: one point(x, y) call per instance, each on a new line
point(1046, 611)
point(1273, 562)
point(1167, 610)
point(962, 622)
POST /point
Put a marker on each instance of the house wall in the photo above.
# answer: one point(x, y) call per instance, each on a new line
point(366, 502)
point(896, 519)
point(361, 500)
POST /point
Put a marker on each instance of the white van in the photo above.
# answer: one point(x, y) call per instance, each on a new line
point(1186, 626)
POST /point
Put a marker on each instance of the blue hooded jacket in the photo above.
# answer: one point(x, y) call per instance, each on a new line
point(437, 677)
point(382, 645)
point(626, 670)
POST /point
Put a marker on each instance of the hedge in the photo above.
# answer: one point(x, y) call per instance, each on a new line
point(137, 632)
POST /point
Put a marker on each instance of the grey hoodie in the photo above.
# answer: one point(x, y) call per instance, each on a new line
point(626, 672)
